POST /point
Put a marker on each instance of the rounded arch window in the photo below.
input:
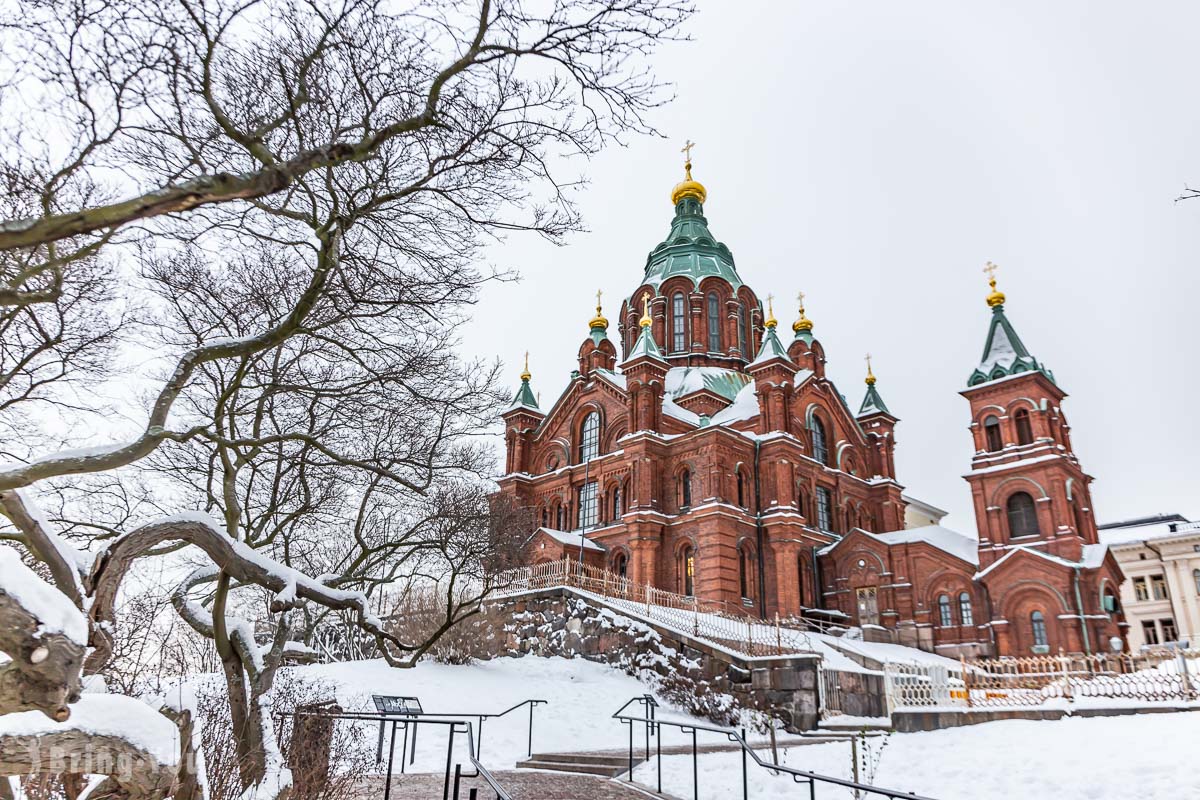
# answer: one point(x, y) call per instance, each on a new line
point(1022, 515)
point(744, 572)
point(714, 323)
point(678, 323)
point(743, 326)
point(687, 570)
point(991, 433)
point(945, 616)
point(1037, 624)
point(1024, 427)
point(685, 488)
point(820, 442)
point(618, 507)
point(589, 437)
point(620, 564)
point(965, 612)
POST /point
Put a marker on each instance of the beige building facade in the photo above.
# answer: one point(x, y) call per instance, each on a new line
point(1160, 557)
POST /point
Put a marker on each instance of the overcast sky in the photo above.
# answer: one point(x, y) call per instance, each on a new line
point(876, 155)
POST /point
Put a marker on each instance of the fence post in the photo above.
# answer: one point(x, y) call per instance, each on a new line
point(778, 635)
point(1066, 669)
point(966, 678)
point(1188, 689)
point(695, 617)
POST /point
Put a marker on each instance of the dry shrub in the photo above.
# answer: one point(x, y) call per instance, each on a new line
point(416, 618)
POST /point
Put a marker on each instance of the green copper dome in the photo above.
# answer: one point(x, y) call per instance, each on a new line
point(690, 249)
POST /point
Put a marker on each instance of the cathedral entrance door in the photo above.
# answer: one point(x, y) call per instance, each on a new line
point(868, 606)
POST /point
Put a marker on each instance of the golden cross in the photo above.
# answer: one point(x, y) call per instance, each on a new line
point(770, 307)
point(990, 269)
point(800, 298)
point(646, 304)
point(598, 293)
point(687, 150)
point(527, 361)
point(868, 362)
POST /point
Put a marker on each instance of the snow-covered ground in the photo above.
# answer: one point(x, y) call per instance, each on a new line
point(1147, 756)
point(581, 695)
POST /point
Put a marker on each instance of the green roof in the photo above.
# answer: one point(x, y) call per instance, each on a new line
point(1004, 353)
point(524, 397)
point(645, 346)
point(873, 403)
point(771, 348)
point(690, 249)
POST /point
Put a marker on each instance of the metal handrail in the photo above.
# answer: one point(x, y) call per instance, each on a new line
point(654, 723)
point(532, 703)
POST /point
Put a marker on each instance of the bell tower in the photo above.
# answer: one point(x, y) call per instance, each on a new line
point(1026, 482)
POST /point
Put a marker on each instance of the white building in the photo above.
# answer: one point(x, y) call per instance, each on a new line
point(1160, 556)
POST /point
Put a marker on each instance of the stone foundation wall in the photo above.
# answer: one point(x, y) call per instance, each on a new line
point(705, 679)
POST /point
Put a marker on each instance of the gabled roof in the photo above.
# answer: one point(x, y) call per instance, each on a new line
point(1004, 353)
point(1135, 531)
point(771, 349)
point(1091, 557)
point(951, 542)
point(571, 539)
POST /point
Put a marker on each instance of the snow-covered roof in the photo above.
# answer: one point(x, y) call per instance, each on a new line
point(771, 348)
point(956, 544)
point(682, 381)
point(569, 538)
point(645, 346)
point(1139, 530)
point(1004, 354)
point(927, 508)
point(1091, 557)
point(615, 378)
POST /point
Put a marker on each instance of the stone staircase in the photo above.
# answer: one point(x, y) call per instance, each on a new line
point(608, 765)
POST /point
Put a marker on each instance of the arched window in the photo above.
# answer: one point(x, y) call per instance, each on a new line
point(616, 503)
point(945, 618)
point(687, 571)
point(741, 489)
point(1024, 428)
point(964, 609)
point(802, 504)
point(744, 571)
point(714, 323)
point(820, 444)
point(589, 437)
point(1196, 579)
point(678, 323)
point(991, 430)
point(749, 334)
point(558, 518)
point(1022, 516)
point(1037, 623)
point(620, 564)
point(743, 340)
point(1078, 514)
point(824, 509)
point(685, 489)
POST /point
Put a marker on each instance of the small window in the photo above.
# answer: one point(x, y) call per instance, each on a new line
point(1142, 592)
point(1149, 631)
point(741, 489)
point(589, 437)
point(588, 507)
point(743, 326)
point(616, 503)
point(1022, 516)
point(749, 334)
point(964, 609)
point(1196, 579)
point(685, 489)
point(620, 564)
point(1037, 622)
point(714, 323)
point(687, 571)
point(678, 323)
point(744, 572)
point(558, 518)
point(1169, 634)
point(1158, 587)
point(820, 444)
point(824, 509)
point(1024, 429)
point(991, 430)
point(945, 618)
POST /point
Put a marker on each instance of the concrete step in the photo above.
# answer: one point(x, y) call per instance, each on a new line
point(606, 759)
point(603, 770)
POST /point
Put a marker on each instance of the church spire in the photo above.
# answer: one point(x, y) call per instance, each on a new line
point(803, 325)
point(524, 397)
point(599, 323)
point(645, 346)
point(1004, 353)
point(872, 403)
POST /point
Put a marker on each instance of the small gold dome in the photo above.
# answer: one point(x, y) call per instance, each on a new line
point(870, 379)
point(996, 298)
point(688, 187)
point(598, 321)
point(803, 323)
point(646, 320)
point(525, 374)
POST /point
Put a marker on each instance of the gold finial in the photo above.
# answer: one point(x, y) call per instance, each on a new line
point(525, 375)
point(803, 323)
point(870, 376)
point(598, 321)
point(688, 187)
point(996, 298)
point(771, 321)
point(646, 320)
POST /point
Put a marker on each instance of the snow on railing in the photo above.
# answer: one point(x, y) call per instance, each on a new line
point(725, 624)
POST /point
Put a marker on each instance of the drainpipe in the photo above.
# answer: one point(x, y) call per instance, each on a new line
point(818, 579)
point(758, 529)
point(991, 615)
point(1087, 644)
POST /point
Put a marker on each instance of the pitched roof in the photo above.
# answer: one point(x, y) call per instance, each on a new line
point(645, 346)
point(569, 538)
point(771, 348)
point(1091, 557)
point(1004, 353)
point(1133, 531)
point(954, 543)
point(873, 403)
point(524, 398)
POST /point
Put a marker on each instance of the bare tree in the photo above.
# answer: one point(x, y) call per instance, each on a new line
point(303, 189)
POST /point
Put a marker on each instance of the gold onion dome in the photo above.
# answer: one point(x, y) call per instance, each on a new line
point(870, 379)
point(803, 323)
point(688, 187)
point(996, 298)
point(598, 321)
point(525, 374)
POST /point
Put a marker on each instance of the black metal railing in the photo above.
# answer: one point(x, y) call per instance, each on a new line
point(408, 721)
point(653, 727)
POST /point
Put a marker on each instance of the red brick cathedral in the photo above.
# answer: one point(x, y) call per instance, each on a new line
point(712, 457)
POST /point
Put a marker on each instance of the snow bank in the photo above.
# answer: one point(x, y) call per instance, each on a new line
point(55, 611)
point(105, 715)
